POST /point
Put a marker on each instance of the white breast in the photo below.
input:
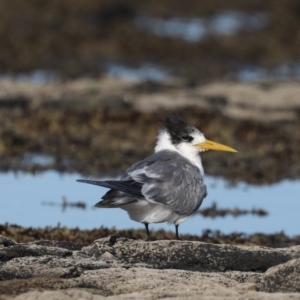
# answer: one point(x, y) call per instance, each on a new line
point(147, 212)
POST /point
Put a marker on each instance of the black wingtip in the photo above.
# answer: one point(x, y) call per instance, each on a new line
point(82, 180)
point(89, 181)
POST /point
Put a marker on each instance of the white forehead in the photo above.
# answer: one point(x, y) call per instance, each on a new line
point(164, 141)
point(198, 137)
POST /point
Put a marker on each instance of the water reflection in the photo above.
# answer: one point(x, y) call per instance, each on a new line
point(38, 159)
point(36, 77)
point(22, 195)
point(246, 73)
point(196, 29)
point(214, 211)
point(65, 203)
point(141, 73)
point(251, 73)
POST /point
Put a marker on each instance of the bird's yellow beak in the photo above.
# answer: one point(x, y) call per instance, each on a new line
point(209, 145)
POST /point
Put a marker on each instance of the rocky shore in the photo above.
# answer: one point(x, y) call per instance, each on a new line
point(268, 101)
point(80, 122)
point(65, 108)
point(121, 268)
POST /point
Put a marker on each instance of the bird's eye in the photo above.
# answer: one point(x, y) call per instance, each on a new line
point(185, 137)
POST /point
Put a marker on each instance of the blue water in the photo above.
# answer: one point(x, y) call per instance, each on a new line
point(254, 73)
point(141, 73)
point(251, 73)
point(22, 196)
point(196, 29)
point(36, 77)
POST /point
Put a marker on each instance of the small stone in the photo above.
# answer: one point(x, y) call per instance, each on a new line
point(107, 256)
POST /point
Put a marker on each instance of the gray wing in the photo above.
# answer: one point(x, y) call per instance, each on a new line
point(165, 177)
point(174, 182)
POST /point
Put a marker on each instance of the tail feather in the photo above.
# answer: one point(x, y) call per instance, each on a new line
point(118, 195)
point(115, 202)
point(130, 187)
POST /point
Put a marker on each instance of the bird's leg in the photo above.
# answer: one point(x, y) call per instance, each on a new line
point(147, 230)
point(177, 235)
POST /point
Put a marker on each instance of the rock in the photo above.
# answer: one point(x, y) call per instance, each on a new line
point(154, 282)
point(203, 289)
point(64, 294)
point(256, 101)
point(61, 244)
point(193, 255)
point(135, 269)
point(272, 101)
point(283, 278)
point(28, 267)
point(21, 250)
point(6, 242)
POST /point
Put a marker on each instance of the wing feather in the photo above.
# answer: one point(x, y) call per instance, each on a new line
point(165, 177)
point(172, 181)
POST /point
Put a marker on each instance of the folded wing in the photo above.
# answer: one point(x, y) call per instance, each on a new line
point(165, 178)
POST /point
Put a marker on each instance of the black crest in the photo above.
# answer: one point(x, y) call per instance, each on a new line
point(179, 130)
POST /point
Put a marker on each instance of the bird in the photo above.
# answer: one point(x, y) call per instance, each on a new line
point(167, 186)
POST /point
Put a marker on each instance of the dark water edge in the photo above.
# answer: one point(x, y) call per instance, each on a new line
point(28, 234)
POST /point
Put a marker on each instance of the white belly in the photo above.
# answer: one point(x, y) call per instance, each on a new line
point(147, 212)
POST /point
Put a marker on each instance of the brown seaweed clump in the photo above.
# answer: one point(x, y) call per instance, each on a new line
point(29, 234)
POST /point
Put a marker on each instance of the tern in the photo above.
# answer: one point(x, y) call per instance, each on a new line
point(167, 186)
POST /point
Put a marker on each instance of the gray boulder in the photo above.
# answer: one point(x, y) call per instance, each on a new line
point(284, 277)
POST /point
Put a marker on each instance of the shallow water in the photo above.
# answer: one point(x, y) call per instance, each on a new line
point(141, 73)
point(252, 73)
point(22, 196)
point(36, 77)
point(196, 29)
